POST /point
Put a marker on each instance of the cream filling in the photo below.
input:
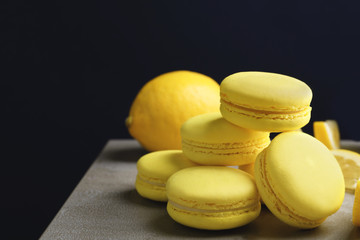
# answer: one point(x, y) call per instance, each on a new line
point(254, 112)
point(178, 206)
point(148, 181)
point(224, 149)
point(241, 147)
point(280, 206)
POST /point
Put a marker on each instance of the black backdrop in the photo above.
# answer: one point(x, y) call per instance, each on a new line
point(71, 70)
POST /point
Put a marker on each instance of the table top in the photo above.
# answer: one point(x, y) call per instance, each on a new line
point(105, 205)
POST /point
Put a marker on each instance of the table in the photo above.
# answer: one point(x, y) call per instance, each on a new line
point(105, 205)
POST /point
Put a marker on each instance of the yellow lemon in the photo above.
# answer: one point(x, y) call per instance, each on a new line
point(328, 133)
point(356, 206)
point(349, 162)
point(165, 102)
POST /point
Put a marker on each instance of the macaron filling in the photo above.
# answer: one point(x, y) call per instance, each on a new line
point(249, 147)
point(258, 113)
point(278, 207)
point(152, 181)
point(251, 206)
point(155, 168)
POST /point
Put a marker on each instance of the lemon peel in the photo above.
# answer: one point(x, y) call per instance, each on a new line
point(165, 102)
point(328, 133)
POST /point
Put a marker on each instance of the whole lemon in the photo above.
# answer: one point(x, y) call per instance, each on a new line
point(165, 102)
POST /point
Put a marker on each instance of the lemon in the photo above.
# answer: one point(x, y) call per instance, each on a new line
point(165, 102)
point(356, 206)
point(349, 162)
point(328, 133)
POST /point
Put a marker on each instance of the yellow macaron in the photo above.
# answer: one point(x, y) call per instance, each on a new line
point(155, 168)
point(299, 179)
point(356, 206)
point(212, 197)
point(209, 139)
point(249, 168)
point(265, 101)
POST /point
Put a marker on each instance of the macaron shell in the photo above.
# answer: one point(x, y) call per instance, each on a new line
point(300, 173)
point(209, 139)
point(214, 221)
point(262, 121)
point(274, 204)
point(265, 101)
point(212, 197)
point(249, 168)
point(162, 164)
point(266, 91)
point(155, 168)
point(215, 184)
point(313, 179)
point(213, 128)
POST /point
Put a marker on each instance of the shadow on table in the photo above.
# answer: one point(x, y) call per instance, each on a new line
point(133, 198)
point(266, 226)
point(354, 234)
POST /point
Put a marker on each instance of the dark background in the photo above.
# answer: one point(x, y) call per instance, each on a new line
point(70, 71)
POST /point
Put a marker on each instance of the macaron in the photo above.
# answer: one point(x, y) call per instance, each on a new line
point(265, 101)
point(356, 206)
point(249, 168)
point(299, 180)
point(209, 139)
point(155, 168)
point(212, 197)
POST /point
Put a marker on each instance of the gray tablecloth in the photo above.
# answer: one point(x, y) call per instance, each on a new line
point(105, 205)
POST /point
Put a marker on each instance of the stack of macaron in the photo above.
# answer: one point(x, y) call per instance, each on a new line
point(295, 175)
